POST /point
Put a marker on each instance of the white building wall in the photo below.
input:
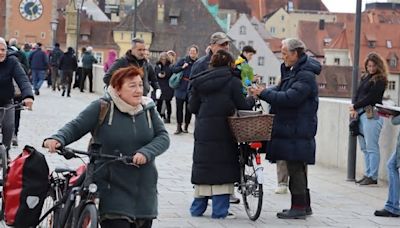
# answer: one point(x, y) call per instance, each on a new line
point(271, 65)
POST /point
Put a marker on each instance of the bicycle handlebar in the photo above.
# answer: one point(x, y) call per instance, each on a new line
point(69, 153)
point(19, 105)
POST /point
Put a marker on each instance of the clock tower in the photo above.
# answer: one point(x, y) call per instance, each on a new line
point(29, 20)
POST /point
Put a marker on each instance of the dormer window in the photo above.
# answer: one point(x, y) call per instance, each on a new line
point(393, 62)
point(174, 14)
point(242, 30)
point(241, 45)
point(85, 37)
point(174, 21)
point(372, 44)
point(322, 85)
point(389, 44)
point(327, 41)
point(255, 26)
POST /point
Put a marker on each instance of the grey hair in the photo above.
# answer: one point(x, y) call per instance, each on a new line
point(13, 42)
point(294, 44)
point(137, 40)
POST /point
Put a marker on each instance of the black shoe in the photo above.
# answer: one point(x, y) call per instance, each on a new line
point(37, 92)
point(68, 95)
point(167, 121)
point(178, 129)
point(233, 199)
point(308, 210)
point(385, 213)
point(63, 93)
point(292, 214)
point(368, 181)
point(185, 129)
point(360, 180)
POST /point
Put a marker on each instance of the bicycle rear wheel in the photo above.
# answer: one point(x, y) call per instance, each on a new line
point(88, 217)
point(251, 190)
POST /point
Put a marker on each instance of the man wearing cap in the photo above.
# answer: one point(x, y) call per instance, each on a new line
point(218, 40)
point(136, 57)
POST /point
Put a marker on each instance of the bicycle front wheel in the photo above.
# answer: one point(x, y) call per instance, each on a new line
point(251, 190)
point(88, 217)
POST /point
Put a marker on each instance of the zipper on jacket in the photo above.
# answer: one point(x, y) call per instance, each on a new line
point(134, 124)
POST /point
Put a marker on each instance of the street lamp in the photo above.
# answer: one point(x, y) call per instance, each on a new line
point(78, 7)
point(54, 25)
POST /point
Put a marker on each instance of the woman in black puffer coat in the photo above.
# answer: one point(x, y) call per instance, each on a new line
point(214, 95)
point(163, 73)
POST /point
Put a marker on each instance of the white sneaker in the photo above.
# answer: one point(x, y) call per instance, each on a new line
point(282, 189)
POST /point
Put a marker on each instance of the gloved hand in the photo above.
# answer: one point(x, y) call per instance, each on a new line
point(158, 93)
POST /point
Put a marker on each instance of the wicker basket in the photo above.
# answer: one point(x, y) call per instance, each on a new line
point(250, 128)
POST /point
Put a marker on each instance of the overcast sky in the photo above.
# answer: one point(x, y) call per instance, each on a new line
point(347, 6)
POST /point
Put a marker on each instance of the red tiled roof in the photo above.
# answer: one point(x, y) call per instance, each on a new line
point(317, 39)
point(274, 44)
point(337, 81)
point(340, 42)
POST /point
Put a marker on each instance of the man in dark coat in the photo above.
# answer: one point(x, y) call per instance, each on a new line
point(68, 64)
point(136, 57)
point(295, 103)
point(39, 64)
point(54, 59)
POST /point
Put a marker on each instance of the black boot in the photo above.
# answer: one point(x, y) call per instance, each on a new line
point(63, 93)
point(178, 129)
point(167, 120)
point(185, 129)
point(308, 203)
point(297, 210)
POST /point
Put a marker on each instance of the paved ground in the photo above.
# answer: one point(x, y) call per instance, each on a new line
point(336, 203)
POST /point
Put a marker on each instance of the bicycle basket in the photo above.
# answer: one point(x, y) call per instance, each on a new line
point(250, 126)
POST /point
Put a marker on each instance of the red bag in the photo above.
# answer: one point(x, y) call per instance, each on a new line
point(26, 188)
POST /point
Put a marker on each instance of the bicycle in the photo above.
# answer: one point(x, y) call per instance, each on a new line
point(4, 153)
point(250, 129)
point(75, 205)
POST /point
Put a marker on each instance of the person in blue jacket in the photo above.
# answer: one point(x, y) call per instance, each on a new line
point(294, 101)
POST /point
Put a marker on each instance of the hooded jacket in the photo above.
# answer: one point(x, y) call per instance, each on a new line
point(215, 94)
point(124, 190)
point(295, 103)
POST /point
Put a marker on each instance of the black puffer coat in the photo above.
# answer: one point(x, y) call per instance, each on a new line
point(167, 93)
point(215, 94)
point(295, 103)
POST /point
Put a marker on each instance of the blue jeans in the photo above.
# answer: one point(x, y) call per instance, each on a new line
point(220, 206)
point(369, 144)
point(38, 77)
point(392, 203)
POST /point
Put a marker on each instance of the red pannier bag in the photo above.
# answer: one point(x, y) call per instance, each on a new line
point(26, 188)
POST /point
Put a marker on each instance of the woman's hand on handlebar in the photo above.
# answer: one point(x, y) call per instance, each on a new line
point(28, 102)
point(139, 159)
point(52, 145)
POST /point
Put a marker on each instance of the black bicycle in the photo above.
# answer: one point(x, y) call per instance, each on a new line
point(4, 154)
point(75, 204)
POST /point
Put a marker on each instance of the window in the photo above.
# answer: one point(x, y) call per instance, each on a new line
point(261, 61)
point(174, 21)
point(393, 62)
point(99, 57)
point(242, 30)
point(283, 29)
point(42, 35)
point(327, 41)
point(388, 43)
point(322, 85)
point(342, 87)
point(272, 30)
point(371, 44)
point(272, 80)
point(337, 61)
point(282, 17)
point(392, 85)
point(241, 45)
point(251, 43)
point(255, 26)
point(85, 37)
point(121, 35)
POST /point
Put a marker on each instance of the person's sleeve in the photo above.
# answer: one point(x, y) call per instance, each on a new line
point(61, 64)
point(177, 67)
point(396, 120)
point(80, 126)
point(160, 142)
point(241, 103)
point(152, 77)
point(94, 59)
point(22, 80)
point(194, 100)
point(294, 96)
point(373, 96)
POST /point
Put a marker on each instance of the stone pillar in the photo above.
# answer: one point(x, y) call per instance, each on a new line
point(70, 24)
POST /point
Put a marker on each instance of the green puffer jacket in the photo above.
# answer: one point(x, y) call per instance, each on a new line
point(124, 190)
point(396, 121)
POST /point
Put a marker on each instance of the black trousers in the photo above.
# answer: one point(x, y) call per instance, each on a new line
point(122, 223)
point(298, 185)
point(67, 80)
point(179, 111)
point(167, 104)
point(89, 74)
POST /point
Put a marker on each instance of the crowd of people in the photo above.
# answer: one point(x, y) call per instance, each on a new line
point(211, 88)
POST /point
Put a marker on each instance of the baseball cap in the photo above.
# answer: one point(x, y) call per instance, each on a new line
point(219, 38)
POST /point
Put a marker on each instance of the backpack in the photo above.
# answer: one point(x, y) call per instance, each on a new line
point(26, 188)
point(104, 107)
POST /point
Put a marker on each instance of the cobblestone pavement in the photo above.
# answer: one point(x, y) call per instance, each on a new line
point(335, 202)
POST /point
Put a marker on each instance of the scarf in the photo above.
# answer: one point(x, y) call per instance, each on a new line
point(122, 105)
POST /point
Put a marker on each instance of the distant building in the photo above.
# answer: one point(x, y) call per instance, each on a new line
point(264, 62)
point(168, 24)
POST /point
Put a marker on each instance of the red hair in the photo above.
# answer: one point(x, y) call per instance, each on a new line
point(118, 78)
